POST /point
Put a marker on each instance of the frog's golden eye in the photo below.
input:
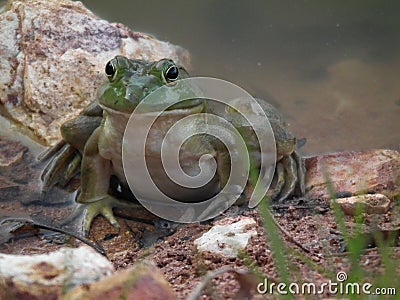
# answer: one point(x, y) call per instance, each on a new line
point(110, 70)
point(171, 73)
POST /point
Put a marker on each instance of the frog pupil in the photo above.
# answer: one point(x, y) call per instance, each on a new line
point(110, 71)
point(172, 73)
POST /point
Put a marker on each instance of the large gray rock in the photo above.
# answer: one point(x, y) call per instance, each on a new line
point(52, 56)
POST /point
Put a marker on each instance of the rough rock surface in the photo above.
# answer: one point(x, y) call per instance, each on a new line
point(142, 281)
point(370, 204)
point(10, 152)
point(374, 171)
point(227, 239)
point(32, 277)
point(52, 55)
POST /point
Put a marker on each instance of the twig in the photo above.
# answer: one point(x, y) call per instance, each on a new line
point(95, 246)
point(289, 237)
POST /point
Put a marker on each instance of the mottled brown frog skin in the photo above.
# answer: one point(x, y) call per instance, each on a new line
point(92, 141)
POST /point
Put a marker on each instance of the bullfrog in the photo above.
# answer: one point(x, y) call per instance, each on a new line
point(91, 143)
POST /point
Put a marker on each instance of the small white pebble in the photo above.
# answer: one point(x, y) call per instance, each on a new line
point(233, 237)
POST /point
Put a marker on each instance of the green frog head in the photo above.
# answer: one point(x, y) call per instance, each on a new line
point(130, 81)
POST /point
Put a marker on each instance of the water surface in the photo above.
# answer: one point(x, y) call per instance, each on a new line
point(332, 67)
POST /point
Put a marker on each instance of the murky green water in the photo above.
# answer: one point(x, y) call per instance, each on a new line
point(332, 67)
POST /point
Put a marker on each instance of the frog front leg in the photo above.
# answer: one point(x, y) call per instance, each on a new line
point(66, 155)
point(95, 182)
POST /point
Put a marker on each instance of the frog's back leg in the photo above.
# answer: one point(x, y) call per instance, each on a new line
point(290, 175)
point(54, 170)
point(66, 155)
point(76, 132)
point(51, 151)
point(301, 172)
point(92, 110)
point(291, 178)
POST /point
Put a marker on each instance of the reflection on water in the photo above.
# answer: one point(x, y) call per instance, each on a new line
point(331, 67)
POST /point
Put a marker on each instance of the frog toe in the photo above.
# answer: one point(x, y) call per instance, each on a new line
point(291, 178)
point(55, 169)
point(102, 207)
point(71, 171)
point(45, 155)
point(301, 172)
point(274, 192)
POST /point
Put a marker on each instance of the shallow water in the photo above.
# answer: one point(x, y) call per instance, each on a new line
point(332, 68)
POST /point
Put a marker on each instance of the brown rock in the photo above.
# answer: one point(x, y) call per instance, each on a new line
point(141, 282)
point(374, 171)
point(52, 55)
point(371, 204)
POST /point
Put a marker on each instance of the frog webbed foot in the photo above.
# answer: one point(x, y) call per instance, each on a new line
point(102, 206)
point(64, 165)
point(290, 174)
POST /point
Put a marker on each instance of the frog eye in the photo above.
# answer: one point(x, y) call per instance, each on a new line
point(110, 70)
point(171, 73)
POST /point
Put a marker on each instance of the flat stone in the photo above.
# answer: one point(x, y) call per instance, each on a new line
point(354, 172)
point(371, 204)
point(52, 58)
point(50, 275)
point(227, 239)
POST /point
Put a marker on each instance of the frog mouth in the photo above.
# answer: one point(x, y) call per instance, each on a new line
point(187, 108)
point(177, 109)
point(174, 110)
point(188, 103)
